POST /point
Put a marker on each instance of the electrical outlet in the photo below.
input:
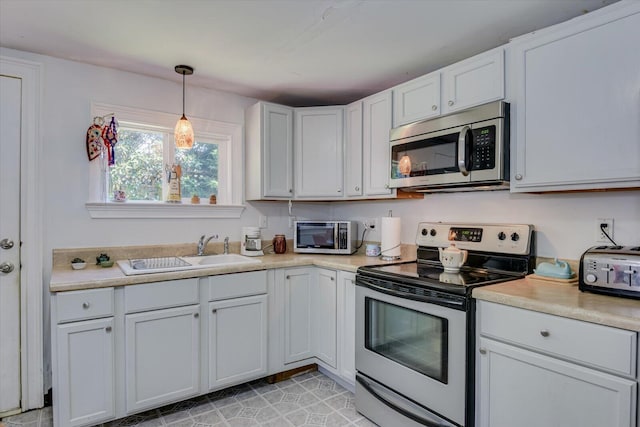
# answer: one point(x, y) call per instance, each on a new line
point(600, 236)
point(370, 223)
point(263, 222)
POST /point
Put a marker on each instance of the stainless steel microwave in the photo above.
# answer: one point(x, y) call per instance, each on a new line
point(462, 151)
point(325, 237)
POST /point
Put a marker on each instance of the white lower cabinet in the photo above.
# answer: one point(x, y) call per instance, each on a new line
point(237, 340)
point(297, 314)
point(323, 308)
point(536, 369)
point(85, 372)
point(162, 356)
point(346, 324)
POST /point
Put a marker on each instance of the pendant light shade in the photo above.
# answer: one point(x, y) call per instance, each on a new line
point(183, 133)
point(404, 167)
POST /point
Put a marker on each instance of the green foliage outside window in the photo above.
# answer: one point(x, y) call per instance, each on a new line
point(140, 167)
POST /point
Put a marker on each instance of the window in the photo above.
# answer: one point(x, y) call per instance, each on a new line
point(145, 152)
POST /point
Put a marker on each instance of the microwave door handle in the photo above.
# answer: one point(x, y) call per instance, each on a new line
point(462, 150)
point(336, 244)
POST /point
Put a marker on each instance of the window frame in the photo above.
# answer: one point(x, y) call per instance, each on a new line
point(228, 136)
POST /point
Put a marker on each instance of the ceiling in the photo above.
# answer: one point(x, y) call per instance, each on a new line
point(293, 52)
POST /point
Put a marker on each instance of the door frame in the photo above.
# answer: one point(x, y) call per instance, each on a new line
point(31, 236)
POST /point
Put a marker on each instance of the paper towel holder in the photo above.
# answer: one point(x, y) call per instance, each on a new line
point(390, 253)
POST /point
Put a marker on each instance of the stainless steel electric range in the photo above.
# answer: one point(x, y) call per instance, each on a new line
point(415, 323)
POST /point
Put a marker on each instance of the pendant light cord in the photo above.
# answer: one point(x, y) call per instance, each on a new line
point(183, 94)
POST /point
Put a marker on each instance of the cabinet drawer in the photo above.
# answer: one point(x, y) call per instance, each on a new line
point(588, 343)
point(237, 285)
point(88, 304)
point(151, 296)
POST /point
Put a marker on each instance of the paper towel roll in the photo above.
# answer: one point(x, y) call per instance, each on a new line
point(390, 242)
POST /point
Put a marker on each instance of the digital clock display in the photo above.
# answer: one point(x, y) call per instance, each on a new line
point(458, 234)
point(485, 131)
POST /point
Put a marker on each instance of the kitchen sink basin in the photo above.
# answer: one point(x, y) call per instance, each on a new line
point(167, 264)
point(220, 260)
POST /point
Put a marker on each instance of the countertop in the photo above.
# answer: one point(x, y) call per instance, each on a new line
point(64, 278)
point(565, 301)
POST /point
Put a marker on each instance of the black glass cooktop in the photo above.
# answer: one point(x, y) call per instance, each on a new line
point(433, 276)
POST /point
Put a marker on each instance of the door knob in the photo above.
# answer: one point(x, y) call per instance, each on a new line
point(6, 244)
point(6, 267)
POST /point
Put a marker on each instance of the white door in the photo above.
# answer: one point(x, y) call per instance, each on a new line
point(375, 136)
point(237, 340)
point(10, 123)
point(323, 295)
point(162, 354)
point(86, 372)
point(347, 325)
point(297, 314)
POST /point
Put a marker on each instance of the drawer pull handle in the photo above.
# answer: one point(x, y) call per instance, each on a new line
point(482, 350)
point(196, 315)
point(86, 305)
point(544, 333)
point(107, 329)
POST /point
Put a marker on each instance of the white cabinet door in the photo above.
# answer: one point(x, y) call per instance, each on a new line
point(85, 373)
point(417, 99)
point(346, 318)
point(318, 142)
point(377, 152)
point(297, 314)
point(525, 389)
point(237, 340)
point(324, 294)
point(162, 356)
point(269, 152)
point(577, 105)
point(474, 81)
point(353, 150)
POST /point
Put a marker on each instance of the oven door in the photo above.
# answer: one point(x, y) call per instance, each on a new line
point(414, 348)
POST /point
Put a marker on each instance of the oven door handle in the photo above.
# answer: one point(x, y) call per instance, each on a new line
point(405, 408)
point(453, 303)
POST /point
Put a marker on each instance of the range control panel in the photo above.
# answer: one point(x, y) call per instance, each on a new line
point(502, 238)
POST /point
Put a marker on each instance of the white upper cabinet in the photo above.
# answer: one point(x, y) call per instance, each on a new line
point(577, 104)
point(417, 99)
point(269, 152)
point(318, 142)
point(353, 150)
point(376, 160)
point(474, 81)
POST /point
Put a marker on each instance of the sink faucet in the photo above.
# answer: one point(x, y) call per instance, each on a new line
point(202, 243)
point(226, 245)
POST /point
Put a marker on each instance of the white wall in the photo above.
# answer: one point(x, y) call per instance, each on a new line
point(565, 222)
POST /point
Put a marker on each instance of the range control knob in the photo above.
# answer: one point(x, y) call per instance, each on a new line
point(424, 232)
point(433, 232)
point(515, 237)
point(590, 278)
point(501, 235)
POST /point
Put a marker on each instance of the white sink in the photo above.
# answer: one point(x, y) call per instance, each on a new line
point(168, 264)
point(220, 260)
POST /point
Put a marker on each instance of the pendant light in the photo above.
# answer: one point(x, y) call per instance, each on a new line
point(404, 167)
point(183, 134)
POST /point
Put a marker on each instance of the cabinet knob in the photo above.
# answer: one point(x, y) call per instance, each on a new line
point(107, 329)
point(290, 190)
point(357, 188)
point(482, 350)
point(386, 186)
point(6, 244)
point(288, 277)
point(434, 107)
point(196, 315)
point(6, 267)
point(544, 333)
point(214, 311)
point(339, 190)
point(353, 282)
point(332, 279)
point(518, 176)
point(450, 103)
point(86, 305)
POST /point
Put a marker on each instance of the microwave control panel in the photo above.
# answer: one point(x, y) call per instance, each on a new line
point(483, 155)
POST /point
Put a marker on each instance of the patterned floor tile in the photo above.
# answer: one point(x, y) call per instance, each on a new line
point(308, 399)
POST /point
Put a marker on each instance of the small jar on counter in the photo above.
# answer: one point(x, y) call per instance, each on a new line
point(279, 244)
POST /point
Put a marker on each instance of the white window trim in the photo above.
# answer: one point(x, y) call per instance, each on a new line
point(99, 205)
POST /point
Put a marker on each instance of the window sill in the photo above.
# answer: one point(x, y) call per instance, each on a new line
point(162, 210)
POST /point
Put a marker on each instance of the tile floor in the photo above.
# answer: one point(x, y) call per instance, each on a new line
point(310, 399)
